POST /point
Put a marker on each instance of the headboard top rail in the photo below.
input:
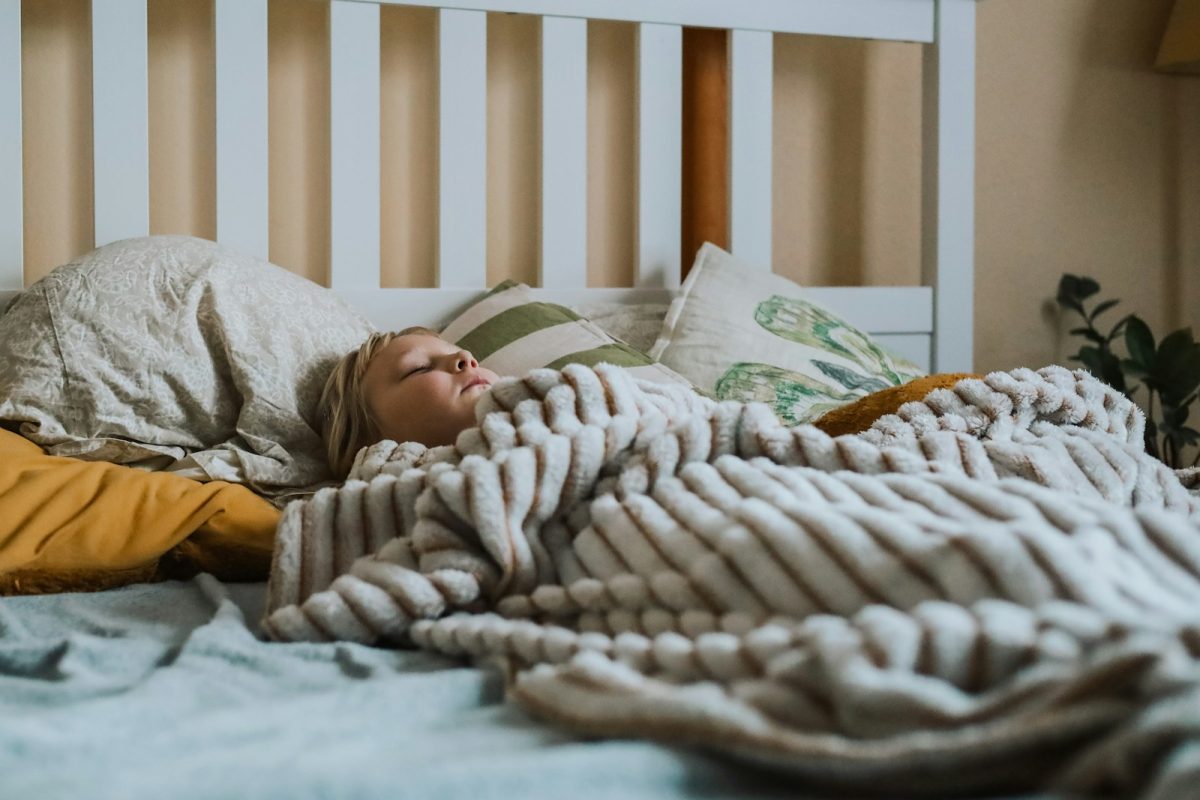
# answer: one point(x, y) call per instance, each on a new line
point(904, 20)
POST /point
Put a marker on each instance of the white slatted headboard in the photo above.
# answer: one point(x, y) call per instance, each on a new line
point(932, 323)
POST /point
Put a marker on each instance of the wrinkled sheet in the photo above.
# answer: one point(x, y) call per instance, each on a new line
point(163, 691)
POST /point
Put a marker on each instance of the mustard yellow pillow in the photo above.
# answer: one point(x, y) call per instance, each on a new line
point(856, 417)
point(70, 525)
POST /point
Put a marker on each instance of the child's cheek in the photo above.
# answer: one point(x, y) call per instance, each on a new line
point(441, 387)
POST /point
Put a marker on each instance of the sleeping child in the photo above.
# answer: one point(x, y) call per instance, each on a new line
point(410, 386)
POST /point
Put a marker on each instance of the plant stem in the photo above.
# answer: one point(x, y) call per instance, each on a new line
point(1153, 440)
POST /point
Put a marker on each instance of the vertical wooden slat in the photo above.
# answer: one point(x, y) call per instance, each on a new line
point(750, 111)
point(120, 119)
point(12, 258)
point(242, 162)
point(705, 191)
point(563, 262)
point(660, 68)
point(462, 163)
point(948, 183)
point(354, 145)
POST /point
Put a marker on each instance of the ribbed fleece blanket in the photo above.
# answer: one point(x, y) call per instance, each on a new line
point(995, 588)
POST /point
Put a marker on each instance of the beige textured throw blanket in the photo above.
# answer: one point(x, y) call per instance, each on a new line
point(994, 589)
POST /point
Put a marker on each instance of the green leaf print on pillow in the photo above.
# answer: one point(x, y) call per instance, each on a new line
point(806, 324)
point(795, 398)
point(854, 381)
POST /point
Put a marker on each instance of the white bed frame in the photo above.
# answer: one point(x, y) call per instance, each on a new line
point(930, 323)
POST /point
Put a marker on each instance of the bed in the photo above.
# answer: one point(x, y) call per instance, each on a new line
point(169, 686)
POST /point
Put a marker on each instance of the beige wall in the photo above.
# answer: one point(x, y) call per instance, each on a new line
point(1087, 160)
point(1088, 163)
point(847, 184)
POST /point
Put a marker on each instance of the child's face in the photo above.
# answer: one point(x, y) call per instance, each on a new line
point(420, 388)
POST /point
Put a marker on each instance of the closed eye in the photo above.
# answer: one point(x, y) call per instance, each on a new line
point(415, 370)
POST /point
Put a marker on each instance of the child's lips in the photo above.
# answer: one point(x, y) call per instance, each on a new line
point(478, 381)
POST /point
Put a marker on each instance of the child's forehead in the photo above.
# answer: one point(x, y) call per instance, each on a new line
point(418, 343)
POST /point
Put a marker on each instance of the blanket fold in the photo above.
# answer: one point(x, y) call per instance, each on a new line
point(997, 572)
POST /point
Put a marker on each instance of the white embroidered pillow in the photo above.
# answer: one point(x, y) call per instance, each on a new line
point(745, 334)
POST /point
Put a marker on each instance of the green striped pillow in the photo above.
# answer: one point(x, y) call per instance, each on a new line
point(511, 333)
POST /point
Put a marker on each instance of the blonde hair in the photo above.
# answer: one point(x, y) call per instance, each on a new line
point(346, 422)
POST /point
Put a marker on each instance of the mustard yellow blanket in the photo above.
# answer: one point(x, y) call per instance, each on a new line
point(69, 525)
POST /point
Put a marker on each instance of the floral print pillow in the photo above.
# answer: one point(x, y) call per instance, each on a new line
point(745, 334)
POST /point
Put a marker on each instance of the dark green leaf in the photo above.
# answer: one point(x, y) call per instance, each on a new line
point(1177, 366)
point(1104, 365)
point(1073, 304)
point(1151, 437)
point(1119, 328)
point(1088, 333)
point(1173, 417)
point(1176, 342)
point(1085, 287)
point(1068, 293)
point(1100, 309)
point(1132, 369)
point(1090, 356)
point(1111, 373)
point(1140, 342)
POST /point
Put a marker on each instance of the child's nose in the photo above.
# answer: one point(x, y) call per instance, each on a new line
point(465, 360)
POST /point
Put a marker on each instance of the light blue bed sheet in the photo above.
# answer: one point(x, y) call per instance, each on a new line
point(163, 691)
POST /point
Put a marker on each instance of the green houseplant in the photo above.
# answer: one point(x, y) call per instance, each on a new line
point(1168, 371)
